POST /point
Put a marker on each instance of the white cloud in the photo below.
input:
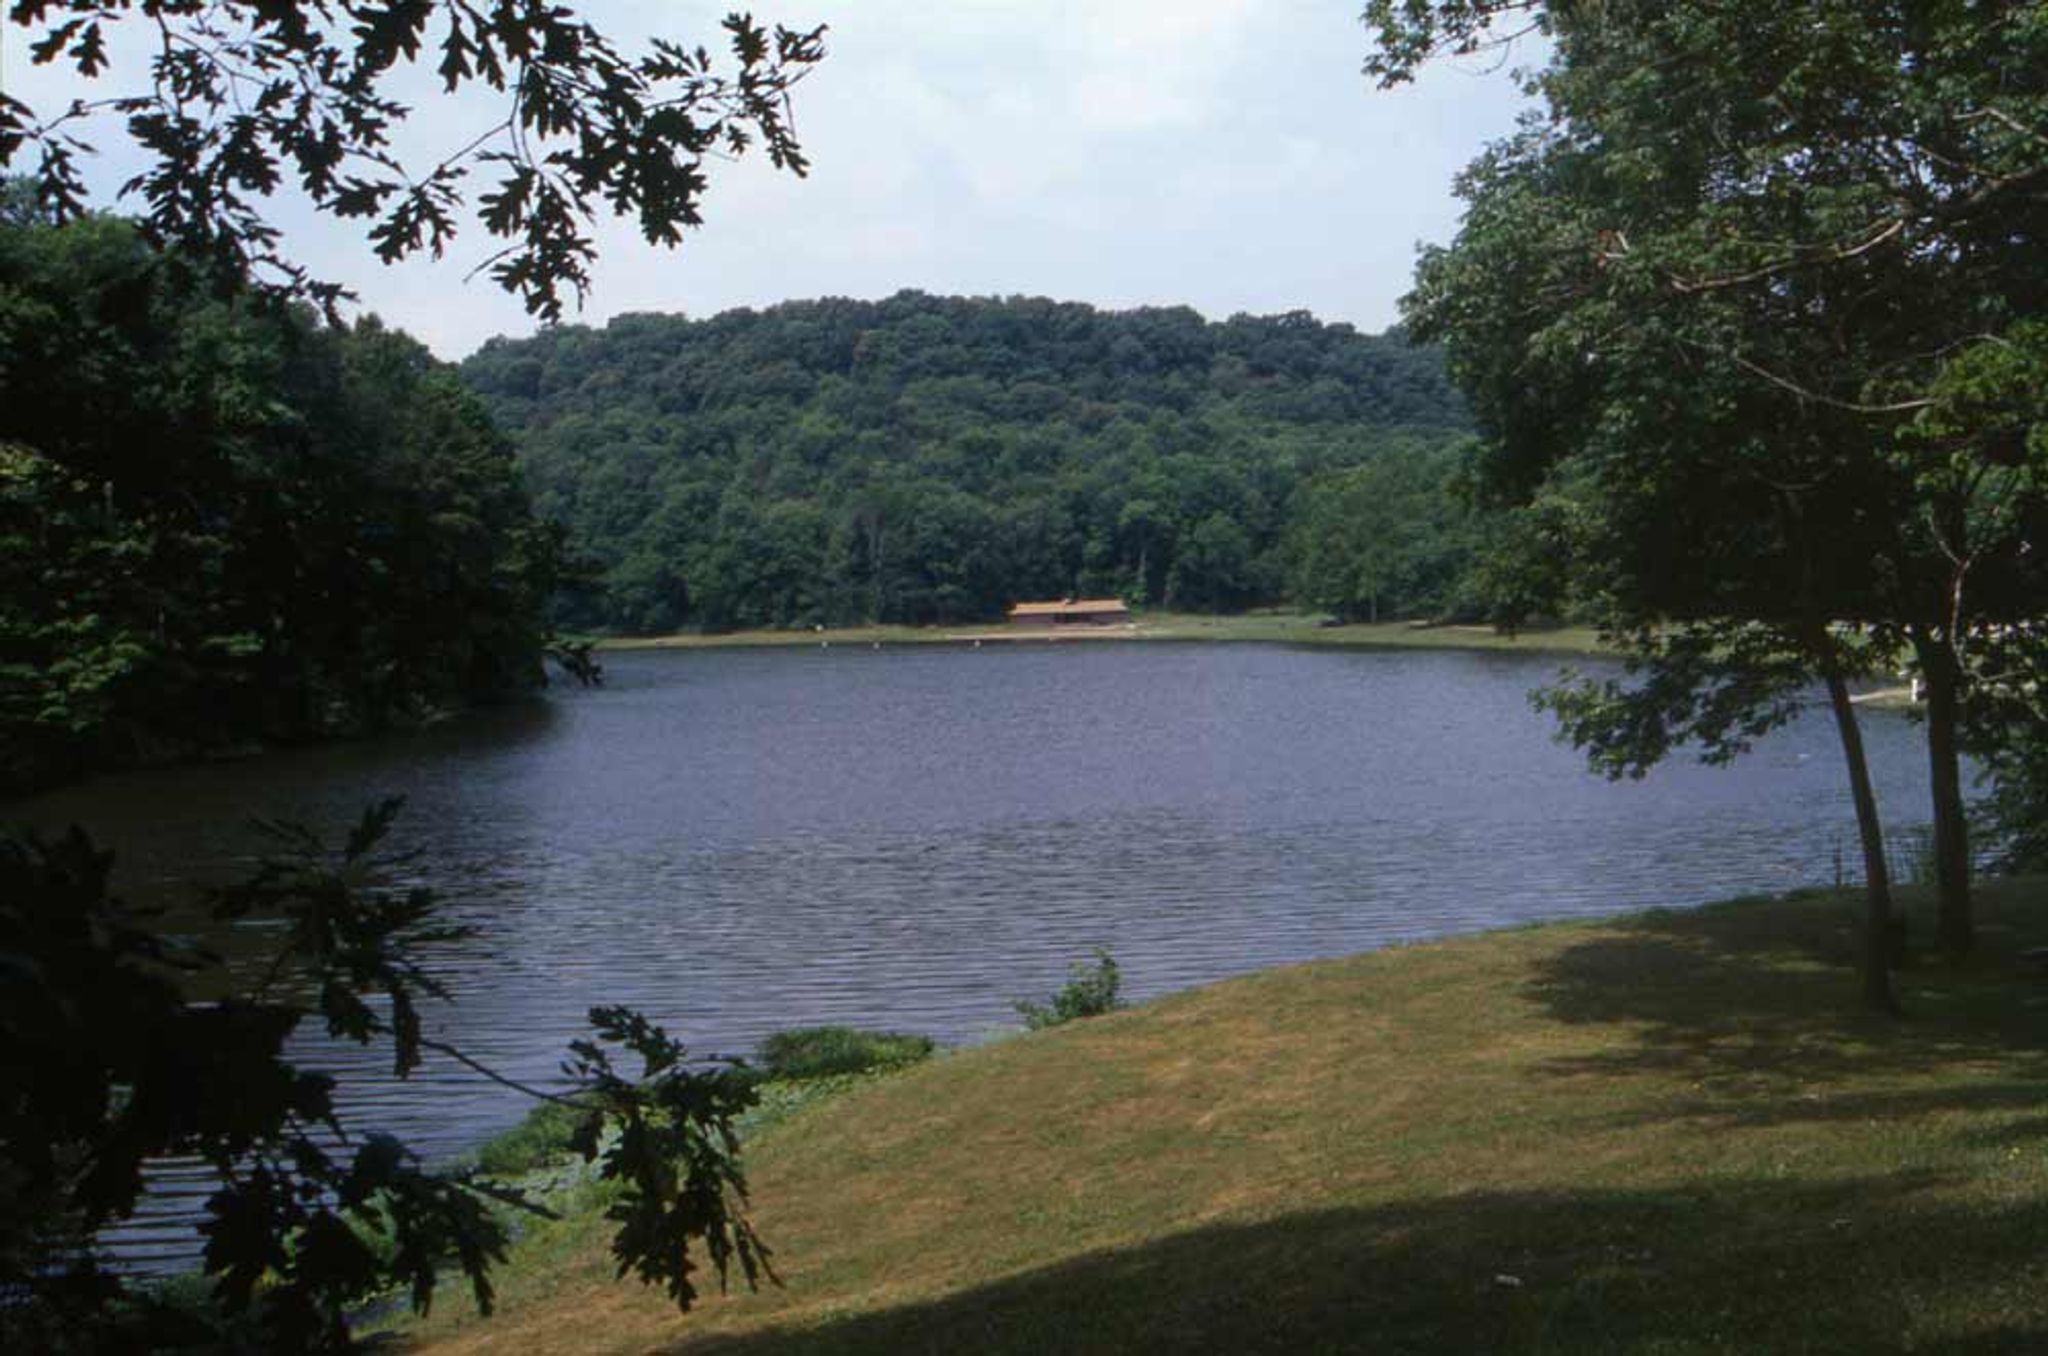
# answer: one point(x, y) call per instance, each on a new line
point(1154, 64)
point(1215, 152)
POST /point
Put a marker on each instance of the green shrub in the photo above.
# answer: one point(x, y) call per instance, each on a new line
point(538, 1140)
point(820, 1051)
point(1090, 991)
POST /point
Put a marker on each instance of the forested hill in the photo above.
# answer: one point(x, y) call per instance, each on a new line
point(932, 458)
point(224, 524)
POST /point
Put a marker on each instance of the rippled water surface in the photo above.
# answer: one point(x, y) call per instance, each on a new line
point(737, 841)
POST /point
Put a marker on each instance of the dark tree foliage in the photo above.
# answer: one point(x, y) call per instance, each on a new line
point(1740, 302)
point(926, 459)
point(110, 1062)
point(2003, 388)
point(1408, 34)
point(243, 97)
point(2009, 736)
point(221, 522)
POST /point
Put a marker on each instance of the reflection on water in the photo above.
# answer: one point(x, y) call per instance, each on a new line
point(737, 841)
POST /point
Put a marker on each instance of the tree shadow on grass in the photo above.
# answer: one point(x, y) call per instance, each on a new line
point(1751, 1001)
point(1870, 1265)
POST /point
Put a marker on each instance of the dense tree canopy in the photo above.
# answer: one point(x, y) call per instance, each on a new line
point(1718, 301)
point(1394, 537)
point(934, 459)
point(265, 529)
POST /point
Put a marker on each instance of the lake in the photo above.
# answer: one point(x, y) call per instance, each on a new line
point(737, 841)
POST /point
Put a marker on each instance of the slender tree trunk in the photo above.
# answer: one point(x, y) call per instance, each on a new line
point(875, 570)
point(1877, 886)
point(1955, 928)
point(1879, 938)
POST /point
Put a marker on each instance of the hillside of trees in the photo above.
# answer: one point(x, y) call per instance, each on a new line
point(267, 530)
point(932, 459)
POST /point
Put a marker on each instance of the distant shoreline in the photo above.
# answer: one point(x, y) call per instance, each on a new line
point(1272, 628)
point(1290, 628)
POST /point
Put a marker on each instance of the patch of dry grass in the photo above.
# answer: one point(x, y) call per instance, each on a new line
point(1665, 1133)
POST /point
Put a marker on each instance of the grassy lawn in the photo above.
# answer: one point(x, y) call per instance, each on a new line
point(1271, 627)
point(1666, 1133)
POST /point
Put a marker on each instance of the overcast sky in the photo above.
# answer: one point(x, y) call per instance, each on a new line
point(1225, 154)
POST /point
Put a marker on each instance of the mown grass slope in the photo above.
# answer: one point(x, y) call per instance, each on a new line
point(1666, 1133)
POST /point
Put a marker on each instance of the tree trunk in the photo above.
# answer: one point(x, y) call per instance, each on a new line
point(875, 570)
point(1955, 926)
point(1877, 887)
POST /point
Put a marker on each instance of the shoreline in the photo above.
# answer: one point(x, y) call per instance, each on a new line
point(1256, 628)
point(1260, 627)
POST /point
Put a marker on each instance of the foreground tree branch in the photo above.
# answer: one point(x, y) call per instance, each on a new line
point(111, 1064)
point(243, 96)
